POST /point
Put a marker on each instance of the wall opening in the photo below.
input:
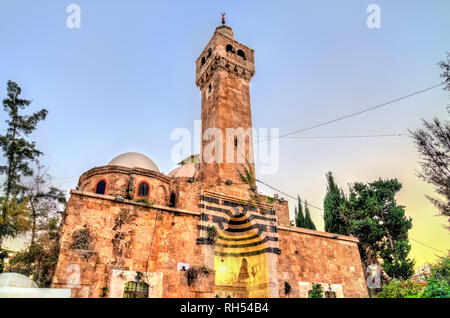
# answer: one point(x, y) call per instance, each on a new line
point(240, 261)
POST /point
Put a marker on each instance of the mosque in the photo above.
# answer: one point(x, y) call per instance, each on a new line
point(202, 230)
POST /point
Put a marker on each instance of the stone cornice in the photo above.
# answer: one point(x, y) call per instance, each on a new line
point(222, 63)
point(319, 233)
point(142, 204)
point(124, 170)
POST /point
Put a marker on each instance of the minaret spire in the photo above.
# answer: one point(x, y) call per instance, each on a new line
point(223, 18)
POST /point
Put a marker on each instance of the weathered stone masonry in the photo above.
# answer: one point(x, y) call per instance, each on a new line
point(198, 231)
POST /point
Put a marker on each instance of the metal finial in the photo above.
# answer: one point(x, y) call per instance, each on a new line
point(223, 18)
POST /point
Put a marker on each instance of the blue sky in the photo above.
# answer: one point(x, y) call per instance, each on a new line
point(125, 80)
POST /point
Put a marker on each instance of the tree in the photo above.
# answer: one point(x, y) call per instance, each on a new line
point(373, 216)
point(433, 145)
point(309, 224)
point(299, 218)
point(316, 291)
point(19, 153)
point(334, 198)
point(39, 260)
point(398, 288)
point(45, 202)
point(445, 67)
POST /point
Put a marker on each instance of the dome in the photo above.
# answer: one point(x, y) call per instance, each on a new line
point(16, 280)
point(134, 160)
point(185, 171)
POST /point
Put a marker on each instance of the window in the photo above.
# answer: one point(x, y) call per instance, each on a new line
point(143, 189)
point(135, 290)
point(203, 60)
point(172, 200)
point(241, 54)
point(100, 188)
point(229, 48)
point(330, 294)
point(209, 52)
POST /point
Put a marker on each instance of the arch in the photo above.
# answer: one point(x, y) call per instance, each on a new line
point(209, 53)
point(143, 190)
point(203, 60)
point(100, 187)
point(135, 290)
point(172, 200)
point(229, 48)
point(241, 54)
point(240, 260)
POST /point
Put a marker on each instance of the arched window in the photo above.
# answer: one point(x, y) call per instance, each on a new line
point(135, 290)
point(330, 294)
point(172, 200)
point(241, 54)
point(203, 60)
point(209, 52)
point(143, 189)
point(229, 48)
point(100, 188)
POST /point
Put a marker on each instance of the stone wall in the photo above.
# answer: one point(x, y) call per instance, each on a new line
point(316, 257)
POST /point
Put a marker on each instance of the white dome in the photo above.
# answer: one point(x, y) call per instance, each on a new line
point(134, 160)
point(16, 280)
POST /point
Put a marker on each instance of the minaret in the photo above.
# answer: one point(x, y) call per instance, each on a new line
point(223, 73)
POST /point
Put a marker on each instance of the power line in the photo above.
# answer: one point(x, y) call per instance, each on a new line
point(356, 113)
point(322, 210)
point(427, 245)
point(286, 194)
point(336, 137)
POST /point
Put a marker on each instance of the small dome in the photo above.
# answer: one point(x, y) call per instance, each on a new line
point(134, 160)
point(16, 280)
point(185, 171)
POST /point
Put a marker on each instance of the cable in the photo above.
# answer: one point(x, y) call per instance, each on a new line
point(357, 136)
point(286, 194)
point(356, 113)
point(427, 245)
point(322, 210)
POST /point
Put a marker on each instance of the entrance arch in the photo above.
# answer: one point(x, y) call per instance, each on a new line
point(240, 261)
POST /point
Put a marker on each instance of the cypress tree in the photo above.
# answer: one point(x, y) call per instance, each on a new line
point(332, 208)
point(299, 218)
point(309, 224)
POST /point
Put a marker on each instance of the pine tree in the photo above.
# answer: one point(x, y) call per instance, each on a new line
point(381, 226)
point(309, 224)
point(332, 208)
point(19, 153)
point(299, 218)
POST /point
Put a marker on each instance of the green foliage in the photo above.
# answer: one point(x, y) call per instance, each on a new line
point(437, 287)
point(433, 145)
point(373, 216)
point(316, 291)
point(104, 292)
point(442, 267)
point(309, 224)
point(18, 151)
point(15, 217)
point(299, 217)
point(146, 201)
point(39, 260)
point(333, 220)
point(398, 288)
point(301, 220)
point(212, 234)
point(81, 239)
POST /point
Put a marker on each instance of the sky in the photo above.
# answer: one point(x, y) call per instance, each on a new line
point(125, 80)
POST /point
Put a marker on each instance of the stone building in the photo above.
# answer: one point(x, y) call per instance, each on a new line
point(199, 231)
